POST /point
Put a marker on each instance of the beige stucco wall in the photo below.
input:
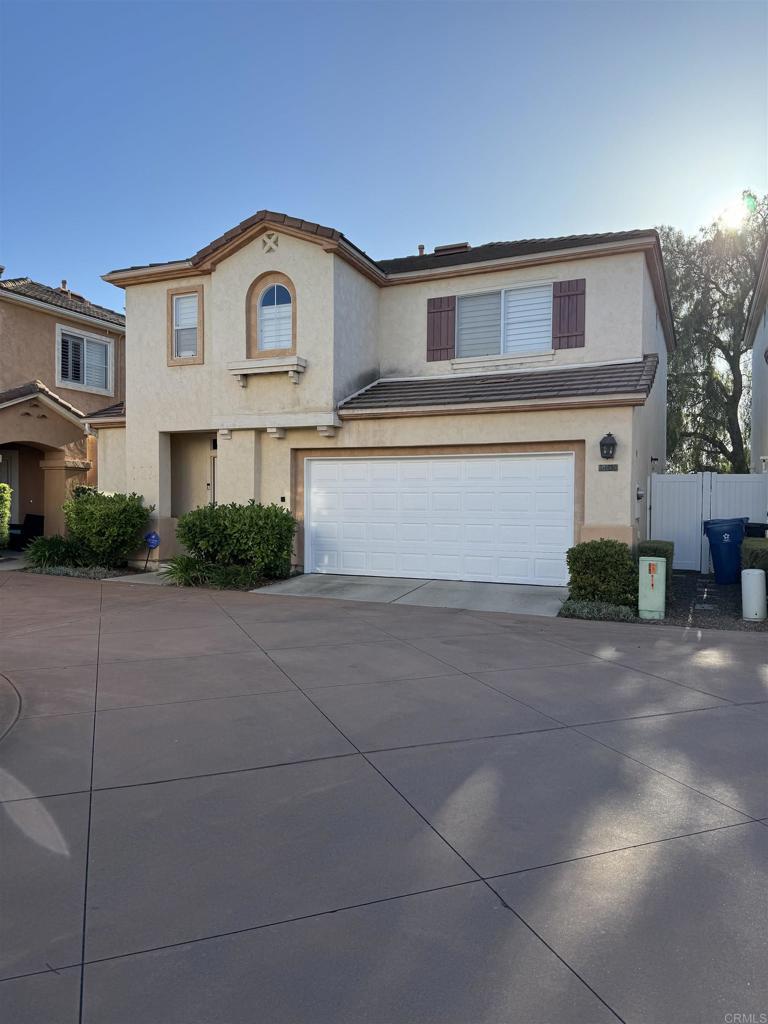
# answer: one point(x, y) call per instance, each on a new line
point(110, 473)
point(28, 341)
point(356, 359)
point(759, 442)
point(605, 502)
point(613, 317)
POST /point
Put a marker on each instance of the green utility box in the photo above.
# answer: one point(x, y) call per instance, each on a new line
point(652, 587)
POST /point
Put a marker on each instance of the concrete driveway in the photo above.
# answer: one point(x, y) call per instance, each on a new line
point(241, 808)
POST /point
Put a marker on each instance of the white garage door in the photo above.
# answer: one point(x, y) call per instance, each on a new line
point(501, 518)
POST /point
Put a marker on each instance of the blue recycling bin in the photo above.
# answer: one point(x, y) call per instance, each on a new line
point(725, 537)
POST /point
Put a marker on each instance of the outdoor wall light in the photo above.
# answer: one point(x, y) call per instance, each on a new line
point(608, 446)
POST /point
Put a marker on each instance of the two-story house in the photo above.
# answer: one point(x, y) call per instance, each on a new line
point(61, 358)
point(433, 416)
point(756, 338)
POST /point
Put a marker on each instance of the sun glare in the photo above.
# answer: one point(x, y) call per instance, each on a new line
point(734, 214)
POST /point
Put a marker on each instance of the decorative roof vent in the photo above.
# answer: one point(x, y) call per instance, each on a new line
point(447, 250)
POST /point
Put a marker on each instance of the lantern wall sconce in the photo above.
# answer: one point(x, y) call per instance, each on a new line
point(608, 446)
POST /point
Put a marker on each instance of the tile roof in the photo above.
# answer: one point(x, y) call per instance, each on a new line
point(32, 388)
point(30, 289)
point(483, 389)
point(108, 412)
point(407, 264)
point(505, 250)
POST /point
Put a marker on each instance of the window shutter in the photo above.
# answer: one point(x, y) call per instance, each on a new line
point(568, 304)
point(441, 328)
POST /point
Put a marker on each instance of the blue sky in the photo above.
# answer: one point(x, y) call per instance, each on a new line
point(137, 132)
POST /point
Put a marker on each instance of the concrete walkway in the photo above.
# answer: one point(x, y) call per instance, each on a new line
point(227, 808)
point(487, 597)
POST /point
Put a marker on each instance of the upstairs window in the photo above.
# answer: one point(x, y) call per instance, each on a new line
point(185, 326)
point(275, 318)
point(515, 321)
point(84, 362)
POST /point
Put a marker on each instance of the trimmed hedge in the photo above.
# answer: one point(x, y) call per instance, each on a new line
point(5, 513)
point(259, 537)
point(598, 610)
point(603, 570)
point(754, 553)
point(105, 529)
point(659, 549)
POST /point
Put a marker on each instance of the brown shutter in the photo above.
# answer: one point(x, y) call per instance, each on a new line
point(441, 328)
point(568, 301)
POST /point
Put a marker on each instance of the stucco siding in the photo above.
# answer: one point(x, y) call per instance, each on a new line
point(28, 340)
point(355, 330)
point(613, 327)
point(110, 473)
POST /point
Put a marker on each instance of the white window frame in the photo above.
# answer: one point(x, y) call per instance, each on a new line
point(501, 354)
point(86, 336)
point(259, 327)
point(174, 299)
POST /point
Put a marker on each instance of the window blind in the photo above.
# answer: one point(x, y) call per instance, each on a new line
point(96, 365)
point(528, 320)
point(478, 331)
point(185, 326)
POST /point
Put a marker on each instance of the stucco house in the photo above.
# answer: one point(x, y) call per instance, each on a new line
point(437, 415)
point(756, 337)
point(61, 358)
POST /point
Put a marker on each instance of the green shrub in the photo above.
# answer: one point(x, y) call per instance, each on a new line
point(106, 528)
point(186, 571)
point(5, 513)
point(659, 549)
point(191, 571)
point(603, 570)
point(754, 553)
point(600, 610)
point(257, 536)
point(45, 552)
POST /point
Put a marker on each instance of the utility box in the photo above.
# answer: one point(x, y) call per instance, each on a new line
point(652, 588)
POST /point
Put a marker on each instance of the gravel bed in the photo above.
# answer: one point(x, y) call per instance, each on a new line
point(698, 601)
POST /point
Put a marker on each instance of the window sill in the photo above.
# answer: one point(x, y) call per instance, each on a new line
point(293, 365)
point(506, 362)
point(72, 386)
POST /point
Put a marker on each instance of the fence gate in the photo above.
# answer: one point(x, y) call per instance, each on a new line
point(679, 504)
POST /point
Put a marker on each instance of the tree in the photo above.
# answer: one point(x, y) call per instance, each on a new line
point(711, 276)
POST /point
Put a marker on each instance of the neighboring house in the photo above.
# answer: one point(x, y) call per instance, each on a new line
point(61, 358)
point(756, 337)
point(436, 415)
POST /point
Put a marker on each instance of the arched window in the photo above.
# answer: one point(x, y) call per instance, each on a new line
point(271, 312)
point(275, 317)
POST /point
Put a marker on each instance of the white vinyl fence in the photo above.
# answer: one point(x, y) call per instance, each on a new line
point(679, 504)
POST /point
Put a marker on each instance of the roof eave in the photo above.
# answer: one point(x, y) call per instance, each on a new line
point(62, 311)
point(138, 275)
point(523, 405)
